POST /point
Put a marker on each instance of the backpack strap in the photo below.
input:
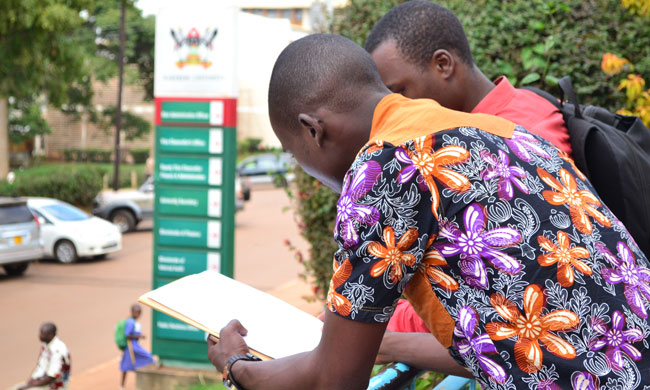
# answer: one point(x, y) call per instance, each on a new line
point(579, 128)
point(567, 89)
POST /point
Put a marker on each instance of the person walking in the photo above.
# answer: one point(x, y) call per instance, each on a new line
point(135, 356)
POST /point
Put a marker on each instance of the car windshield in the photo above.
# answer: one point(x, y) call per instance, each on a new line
point(65, 212)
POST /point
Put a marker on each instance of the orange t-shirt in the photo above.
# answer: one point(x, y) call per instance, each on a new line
point(396, 120)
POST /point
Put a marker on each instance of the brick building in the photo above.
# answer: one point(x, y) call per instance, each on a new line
point(68, 132)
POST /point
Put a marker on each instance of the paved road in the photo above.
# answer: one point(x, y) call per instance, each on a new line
point(86, 299)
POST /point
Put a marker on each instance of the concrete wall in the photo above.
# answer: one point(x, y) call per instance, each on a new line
point(260, 41)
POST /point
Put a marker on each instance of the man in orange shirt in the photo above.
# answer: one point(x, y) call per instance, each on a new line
point(445, 207)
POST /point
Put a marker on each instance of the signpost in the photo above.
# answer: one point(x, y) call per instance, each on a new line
point(195, 154)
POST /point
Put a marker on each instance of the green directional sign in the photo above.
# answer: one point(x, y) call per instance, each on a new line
point(188, 170)
point(178, 263)
point(189, 201)
point(188, 233)
point(194, 210)
point(171, 328)
point(190, 140)
point(204, 112)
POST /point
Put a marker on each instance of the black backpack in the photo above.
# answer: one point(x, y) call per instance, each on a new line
point(613, 151)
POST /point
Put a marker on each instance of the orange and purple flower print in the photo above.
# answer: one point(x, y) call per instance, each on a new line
point(532, 327)
point(581, 203)
point(347, 208)
point(507, 175)
point(635, 278)
point(617, 340)
point(477, 243)
point(479, 345)
point(432, 165)
point(524, 145)
point(582, 380)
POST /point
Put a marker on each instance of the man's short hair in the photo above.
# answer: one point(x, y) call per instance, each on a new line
point(49, 328)
point(419, 28)
point(323, 70)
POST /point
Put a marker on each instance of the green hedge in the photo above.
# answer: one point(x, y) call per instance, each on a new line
point(139, 155)
point(74, 183)
point(95, 155)
point(77, 185)
point(556, 38)
point(525, 38)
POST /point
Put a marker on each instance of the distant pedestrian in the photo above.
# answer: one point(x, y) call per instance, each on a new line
point(135, 356)
point(53, 368)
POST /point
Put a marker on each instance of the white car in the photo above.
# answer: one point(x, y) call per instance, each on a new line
point(68, 233)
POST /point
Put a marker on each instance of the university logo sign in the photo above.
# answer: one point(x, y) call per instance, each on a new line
point(193, 48)
point(196, 51)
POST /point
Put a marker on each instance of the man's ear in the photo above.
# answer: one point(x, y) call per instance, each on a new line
point(312, 125)
point(444, 63)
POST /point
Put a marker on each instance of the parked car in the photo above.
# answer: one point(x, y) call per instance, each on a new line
point(20, 236)
point(267, 168)
point(127, 208)
point(69, 233)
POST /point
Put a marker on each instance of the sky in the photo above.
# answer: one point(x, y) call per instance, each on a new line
point(150, 7)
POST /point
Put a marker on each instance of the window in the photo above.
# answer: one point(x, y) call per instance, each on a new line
point(294, 15)
point(65, 212)
point(15, 214)
point(297, 17)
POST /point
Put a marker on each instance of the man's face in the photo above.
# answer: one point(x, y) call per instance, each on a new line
point(313, 160)
point(405, 77)
point(45, 336)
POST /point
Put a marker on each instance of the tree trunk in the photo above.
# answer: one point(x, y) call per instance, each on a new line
point(4, 139)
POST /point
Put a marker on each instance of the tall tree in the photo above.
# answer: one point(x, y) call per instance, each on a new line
point(40, 56)
point(103, 38)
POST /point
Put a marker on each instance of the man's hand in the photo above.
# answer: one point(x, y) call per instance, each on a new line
point(231, 342)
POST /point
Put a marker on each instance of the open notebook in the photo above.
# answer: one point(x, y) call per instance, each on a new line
point(209, 300)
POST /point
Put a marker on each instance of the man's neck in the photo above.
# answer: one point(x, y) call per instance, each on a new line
point(478, 86)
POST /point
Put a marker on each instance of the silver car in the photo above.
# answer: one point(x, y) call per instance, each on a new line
point(20, 236)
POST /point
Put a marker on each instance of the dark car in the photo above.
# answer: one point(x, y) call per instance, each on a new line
point(267, 168)
point(20, 236)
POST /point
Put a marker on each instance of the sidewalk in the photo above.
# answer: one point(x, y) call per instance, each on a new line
point(262, 260)
point(106, 376)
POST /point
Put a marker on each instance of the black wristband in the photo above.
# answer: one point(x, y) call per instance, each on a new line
point(228, 379)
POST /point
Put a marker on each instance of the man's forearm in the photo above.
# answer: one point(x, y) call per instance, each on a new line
point(42, 381)
point(420, 350)
point(300, 371)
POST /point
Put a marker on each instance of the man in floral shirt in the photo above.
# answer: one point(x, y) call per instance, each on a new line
point(53, 368)
point(466, 214)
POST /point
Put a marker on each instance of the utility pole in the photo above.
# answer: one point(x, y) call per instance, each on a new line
point(118, 111)
point(4, 138)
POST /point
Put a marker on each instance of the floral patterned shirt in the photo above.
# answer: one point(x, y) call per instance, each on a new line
point(544, 285)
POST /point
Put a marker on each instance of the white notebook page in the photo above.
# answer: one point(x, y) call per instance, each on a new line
point(275, 328)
